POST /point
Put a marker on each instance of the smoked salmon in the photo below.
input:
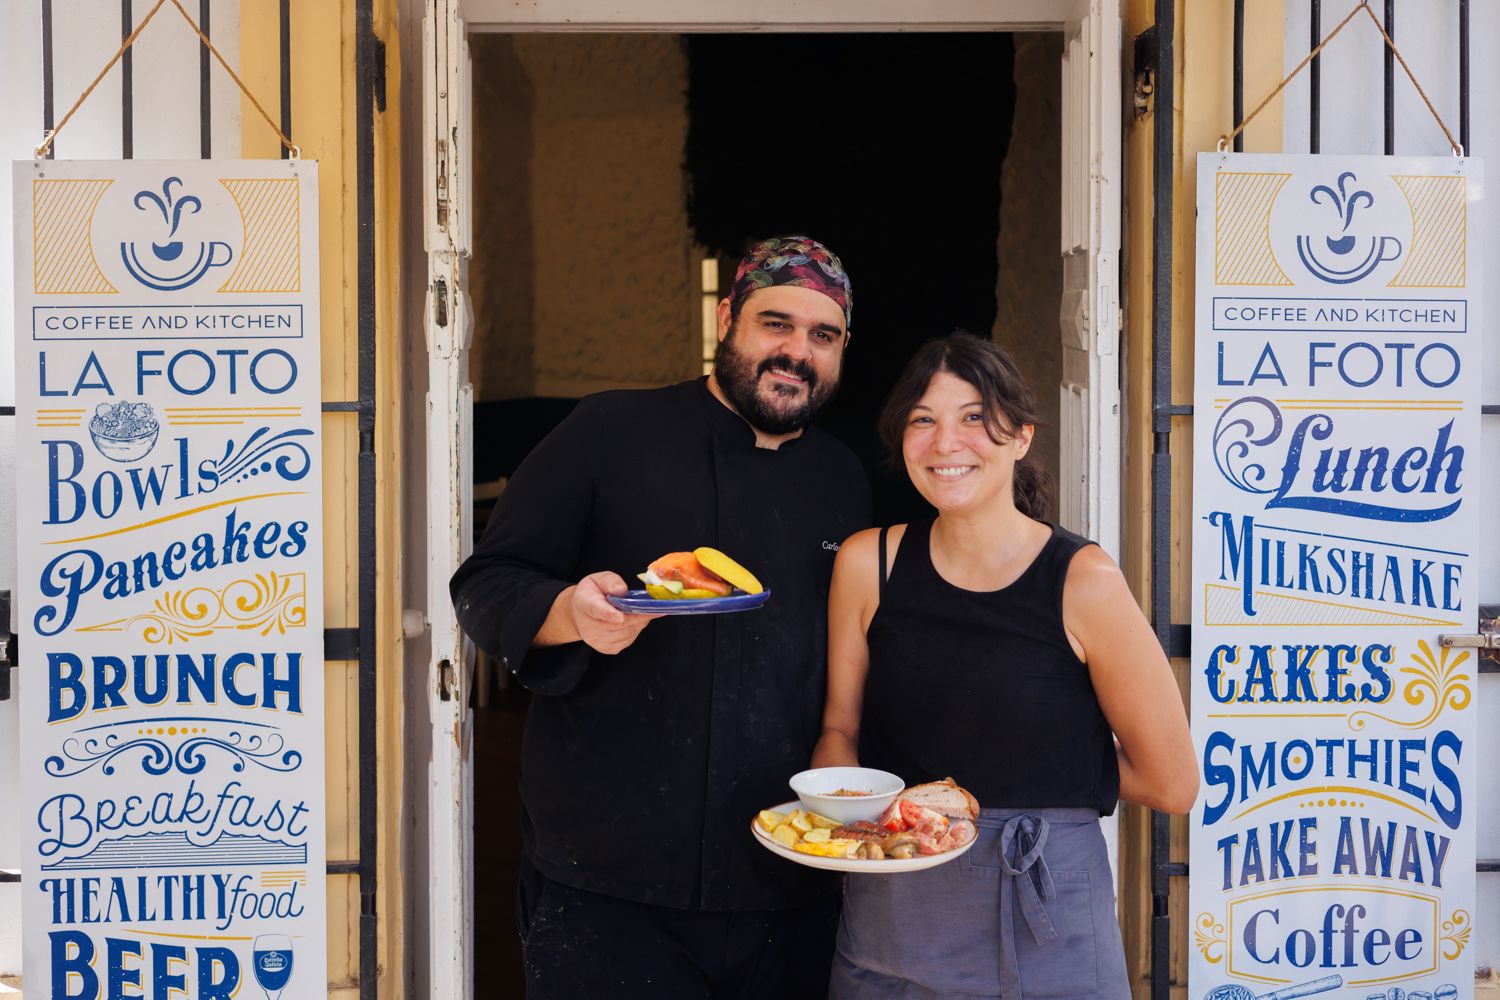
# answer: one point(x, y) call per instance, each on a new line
point(685, 568)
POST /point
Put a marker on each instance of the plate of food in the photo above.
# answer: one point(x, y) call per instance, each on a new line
point(918, 828)
point(702, 582)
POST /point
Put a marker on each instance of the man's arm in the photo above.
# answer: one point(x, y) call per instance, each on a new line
point(514, 595)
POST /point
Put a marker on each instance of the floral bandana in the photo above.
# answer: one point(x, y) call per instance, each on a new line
point(793, 260)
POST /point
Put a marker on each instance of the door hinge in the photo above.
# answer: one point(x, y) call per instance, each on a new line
point(440, 302)
point(442, 184)
point(7, 646)
point(445, 680)
point(379, 81)
point(1488, 636)
point(1482, 640)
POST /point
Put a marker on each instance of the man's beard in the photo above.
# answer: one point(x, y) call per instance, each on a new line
point(778, 409)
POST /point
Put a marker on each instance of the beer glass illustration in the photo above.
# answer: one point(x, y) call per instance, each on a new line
point(272, 961)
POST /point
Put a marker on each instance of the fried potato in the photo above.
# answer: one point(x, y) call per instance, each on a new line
point(769, 819)
point(817, 835)
point(799, 819)
point(787, 834)
point(823, 822)
point(832, 848)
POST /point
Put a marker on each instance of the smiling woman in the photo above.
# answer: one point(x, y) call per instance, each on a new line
point(1054, 697)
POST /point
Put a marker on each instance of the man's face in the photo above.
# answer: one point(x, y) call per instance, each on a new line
point(779, 361)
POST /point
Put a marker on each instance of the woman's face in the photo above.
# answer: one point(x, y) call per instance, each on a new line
point(950, 456)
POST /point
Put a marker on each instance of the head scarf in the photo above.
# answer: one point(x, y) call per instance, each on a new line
point(793, 260)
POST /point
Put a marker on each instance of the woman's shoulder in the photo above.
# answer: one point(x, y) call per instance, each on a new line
point(860, 552)
point(1092, 577)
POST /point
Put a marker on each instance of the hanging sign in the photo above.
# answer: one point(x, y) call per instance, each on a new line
point(169, 481)
point(1335, 519)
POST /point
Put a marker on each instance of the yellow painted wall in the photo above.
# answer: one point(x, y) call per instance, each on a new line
point(323, 119)
point(1203, 110)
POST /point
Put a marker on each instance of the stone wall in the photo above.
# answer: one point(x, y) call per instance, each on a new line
point(583, 276)
point(1029, 284)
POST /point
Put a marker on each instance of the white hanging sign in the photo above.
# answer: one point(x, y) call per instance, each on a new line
point(1335, 521)
point(169, 480)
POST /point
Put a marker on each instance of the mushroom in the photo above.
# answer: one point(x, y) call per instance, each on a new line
point(899, 845)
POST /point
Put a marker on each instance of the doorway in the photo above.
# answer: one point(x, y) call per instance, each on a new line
point(1087, 318)
point(622, 175)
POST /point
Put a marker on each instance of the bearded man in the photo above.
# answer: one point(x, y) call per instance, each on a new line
point(650, 745)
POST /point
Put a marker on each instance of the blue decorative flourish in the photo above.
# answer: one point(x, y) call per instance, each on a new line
point(1234, 435)
point(157, 758)
point(255, 456)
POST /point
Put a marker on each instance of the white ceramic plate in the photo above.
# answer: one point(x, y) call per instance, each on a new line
point(889, 866)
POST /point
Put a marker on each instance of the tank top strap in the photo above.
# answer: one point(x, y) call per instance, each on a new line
point(1049, 571)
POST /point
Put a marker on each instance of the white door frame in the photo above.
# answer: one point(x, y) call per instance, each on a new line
point(1089, 323)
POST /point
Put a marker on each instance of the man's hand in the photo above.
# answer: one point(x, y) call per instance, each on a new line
point(582, 613)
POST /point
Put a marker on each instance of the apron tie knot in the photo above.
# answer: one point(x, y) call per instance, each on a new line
point(1020, 850)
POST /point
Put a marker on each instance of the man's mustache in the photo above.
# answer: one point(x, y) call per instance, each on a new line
point(800, 369)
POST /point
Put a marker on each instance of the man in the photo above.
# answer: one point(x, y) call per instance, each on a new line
point(650, 744)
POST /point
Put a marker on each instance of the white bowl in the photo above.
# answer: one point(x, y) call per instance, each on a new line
point(815, 789)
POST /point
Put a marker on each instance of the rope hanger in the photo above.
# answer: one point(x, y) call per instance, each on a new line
point(1364, 5)
point(292, 148)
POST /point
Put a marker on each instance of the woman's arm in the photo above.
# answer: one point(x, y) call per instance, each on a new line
point(1134, 684)
point(851, 603)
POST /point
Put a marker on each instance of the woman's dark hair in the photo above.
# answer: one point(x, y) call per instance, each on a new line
point(1004, 395)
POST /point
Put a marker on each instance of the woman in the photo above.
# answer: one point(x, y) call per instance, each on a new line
point(1006, 652)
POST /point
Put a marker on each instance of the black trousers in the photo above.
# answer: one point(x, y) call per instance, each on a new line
point(578, 944)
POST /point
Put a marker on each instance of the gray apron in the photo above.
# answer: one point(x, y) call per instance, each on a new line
point(1028, 912)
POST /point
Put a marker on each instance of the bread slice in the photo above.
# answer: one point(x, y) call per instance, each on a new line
point(944, 797)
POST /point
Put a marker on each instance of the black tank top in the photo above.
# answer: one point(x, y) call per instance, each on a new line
point(985, 686)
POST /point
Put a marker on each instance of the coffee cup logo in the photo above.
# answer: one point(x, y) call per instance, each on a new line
point(173, 264)
point(1341, 257)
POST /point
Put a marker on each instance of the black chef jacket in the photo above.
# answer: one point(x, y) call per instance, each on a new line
point(641, 772)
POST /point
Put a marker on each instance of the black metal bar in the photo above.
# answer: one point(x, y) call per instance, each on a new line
point(1315, 81)
point(1239, 73)
point(341, 644)
point(1180, 641)
point(127, 84)
point(1177, 869)
point(1163, 142)
point(7, 411)
point(205, 87)
point(343, 867)
point(341, 407)
point(48, 111)
point(1463, 76)
point(1390, 80)
point(364, 121)
point(286, 73)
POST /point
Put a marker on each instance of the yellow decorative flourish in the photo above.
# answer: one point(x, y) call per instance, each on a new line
point(1455, 936)
point(1434, 675)
point(265, 603)
point(1209, 938)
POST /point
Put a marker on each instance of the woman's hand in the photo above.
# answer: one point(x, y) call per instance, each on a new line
point(1134, 684)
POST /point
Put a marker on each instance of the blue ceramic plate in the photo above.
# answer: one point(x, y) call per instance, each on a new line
point(638, 602)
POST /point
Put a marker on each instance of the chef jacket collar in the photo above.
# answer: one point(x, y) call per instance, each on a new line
point(728, 426)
